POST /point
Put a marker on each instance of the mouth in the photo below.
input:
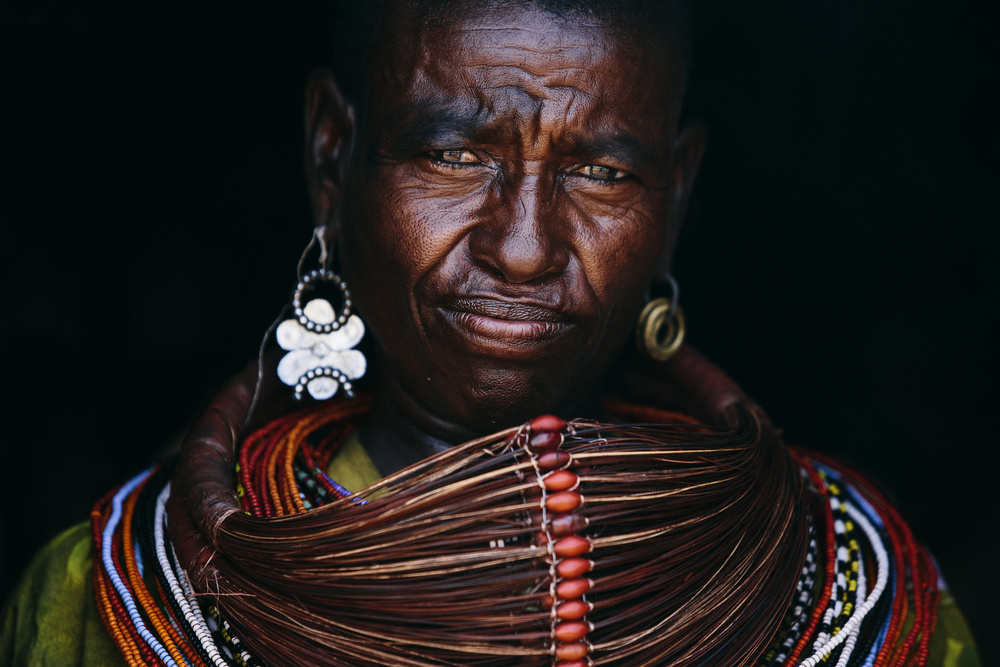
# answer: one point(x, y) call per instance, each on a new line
point(506, 324)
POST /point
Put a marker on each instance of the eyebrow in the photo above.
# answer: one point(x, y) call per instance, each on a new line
point(623, 147)
point(422, 125)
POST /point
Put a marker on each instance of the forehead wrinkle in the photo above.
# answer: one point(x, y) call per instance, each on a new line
point(521, 76)
point(552, 86)
point(562, 50)
point(555, 40)
point(581, 28)
point(537, 87)
point(562, 61)
point(486, 61)
point(558, 49)
point(537, 116)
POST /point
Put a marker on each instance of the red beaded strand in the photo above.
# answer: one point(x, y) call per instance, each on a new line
point(922, 592)
point(267, 458)
point(560, 498)
point(246, 460)
point(900, 602)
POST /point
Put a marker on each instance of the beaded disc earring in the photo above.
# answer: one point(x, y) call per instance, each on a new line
point(320, 337)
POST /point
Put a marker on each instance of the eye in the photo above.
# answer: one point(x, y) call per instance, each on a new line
point(599, 172)
point(455, 156)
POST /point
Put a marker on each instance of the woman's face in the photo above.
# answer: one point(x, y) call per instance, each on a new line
point(516, 183)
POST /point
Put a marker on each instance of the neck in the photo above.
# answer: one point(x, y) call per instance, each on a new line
point(400, 431)
point(394, 441)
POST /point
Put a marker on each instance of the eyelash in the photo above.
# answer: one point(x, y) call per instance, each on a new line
point(438, 157)
point(626, 176)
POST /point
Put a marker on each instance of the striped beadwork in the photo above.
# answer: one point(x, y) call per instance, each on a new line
point(864, 578)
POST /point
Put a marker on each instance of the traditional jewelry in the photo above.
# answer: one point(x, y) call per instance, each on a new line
point(661, 328)
point(546, 544)
point(562, 535)
point(319, 339)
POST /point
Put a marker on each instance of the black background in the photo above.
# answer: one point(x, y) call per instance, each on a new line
point(838, 261)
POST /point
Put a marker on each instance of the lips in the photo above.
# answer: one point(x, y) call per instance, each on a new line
point(507, 324)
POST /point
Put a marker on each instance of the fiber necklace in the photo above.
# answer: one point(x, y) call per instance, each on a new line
point(552, 543)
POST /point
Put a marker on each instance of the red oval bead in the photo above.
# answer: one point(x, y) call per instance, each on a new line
point(573, 610)
point(571, 631)
point(571, 568)
point(567, 524)
point(553, 460)
point(547, 423)
point(564, 501)
point(545, 441)
point(572, 651)
point(570, 589)
point(574, 663)
point(560, 480)
point(571, 546)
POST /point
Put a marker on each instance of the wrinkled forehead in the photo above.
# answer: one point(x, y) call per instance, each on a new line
point(499, 63)
point(513, 48)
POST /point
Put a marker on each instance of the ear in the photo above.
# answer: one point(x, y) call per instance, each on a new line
point(689, 147)
point(329, 136)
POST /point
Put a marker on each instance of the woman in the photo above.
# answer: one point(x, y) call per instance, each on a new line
point(502, 190)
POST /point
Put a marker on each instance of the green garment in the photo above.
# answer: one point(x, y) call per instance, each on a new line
point(51, 619)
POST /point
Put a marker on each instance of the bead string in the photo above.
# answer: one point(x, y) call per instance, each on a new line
point(107, 603)
point(166, 633)
point(188, 606)
point(145, 517)
point(280, 472)
point(852, 636)
point(227, 639)
point(280, 469)
point(847, 568)
point(903, 567)
point(113, 571)
point(883, 609)
point(568, 604)
point(799, 614)
point(830, 559)
point(883, 577)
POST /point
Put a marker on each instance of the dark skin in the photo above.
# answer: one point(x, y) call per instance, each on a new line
point(517, 183)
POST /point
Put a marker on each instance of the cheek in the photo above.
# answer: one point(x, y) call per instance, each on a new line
point(620, 246)
point(407, 223)
point(409, 226)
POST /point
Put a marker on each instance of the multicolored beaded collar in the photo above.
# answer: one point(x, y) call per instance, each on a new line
point(862, 574)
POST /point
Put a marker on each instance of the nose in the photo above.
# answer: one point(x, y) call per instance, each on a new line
point(520, 236)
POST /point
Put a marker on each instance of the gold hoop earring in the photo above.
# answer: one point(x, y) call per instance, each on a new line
point(661, 329)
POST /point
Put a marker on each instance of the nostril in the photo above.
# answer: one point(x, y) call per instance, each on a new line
point(519, 241)
point(519, 258)
point(486, 263)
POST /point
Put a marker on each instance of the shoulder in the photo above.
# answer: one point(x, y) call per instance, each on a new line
point(51, 617)
point(919, 615)
point(952, 643)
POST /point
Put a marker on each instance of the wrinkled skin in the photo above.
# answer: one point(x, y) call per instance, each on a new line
point(515, 185)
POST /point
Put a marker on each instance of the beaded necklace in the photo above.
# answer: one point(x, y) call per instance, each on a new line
point(863, 573)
